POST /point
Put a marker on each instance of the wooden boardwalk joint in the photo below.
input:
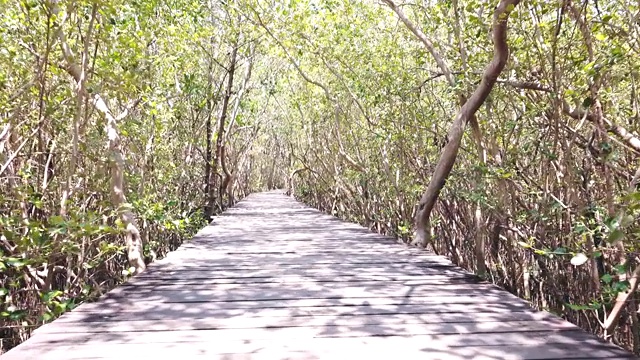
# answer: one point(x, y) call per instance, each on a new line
point(274, 279)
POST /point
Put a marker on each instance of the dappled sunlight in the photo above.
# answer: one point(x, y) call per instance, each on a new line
point(271, 279)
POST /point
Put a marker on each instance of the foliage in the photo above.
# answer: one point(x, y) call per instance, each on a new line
point(549, 199)
point(346, 109)
point(62, 234)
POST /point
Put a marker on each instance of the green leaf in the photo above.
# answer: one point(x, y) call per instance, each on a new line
point(621, 269)
point(581, 307)
point(607, 278)
point(621, 286)
point(46, 316)
point(616, 235)
point(56, 220)
point(560, 251)
point(15, 262)
point(627, 220)
point(48, 296)
point(17, 315)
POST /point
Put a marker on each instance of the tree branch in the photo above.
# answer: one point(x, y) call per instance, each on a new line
point(425, 40)
point(621, 133)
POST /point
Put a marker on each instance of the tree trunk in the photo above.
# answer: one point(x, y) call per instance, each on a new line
point(446, 72)
point(133, 240)
point(466, 112)
point(220, 131)
point(208, 211)
point(227, 183)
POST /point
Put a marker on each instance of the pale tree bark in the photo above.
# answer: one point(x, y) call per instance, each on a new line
point(622, 298)
point(222, 118)
point(133, 241)
point(464, 115)
point(227, 183)
point(212, 100)
point(80, 99)
point(623, 135)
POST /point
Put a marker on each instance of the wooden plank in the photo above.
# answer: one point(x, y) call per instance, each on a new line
point(223, 238)
point(328, 330)
point(261, 321)
point(440, 304)
point(275, 271)
point(414, 286)
point(301, 270)
point(209, 256)
point(435, 280)
point(206, 310)
point(340, 245)
point(257, 266)
point(217, 261)
point(301, 297)
point(311, 284)
point(318, 273)
point(536, 345)
point(310, 251)
point(306, 291)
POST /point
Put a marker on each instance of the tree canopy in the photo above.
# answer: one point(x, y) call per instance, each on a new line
point(502, 134)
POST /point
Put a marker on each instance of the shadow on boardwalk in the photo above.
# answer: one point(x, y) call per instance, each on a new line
point(273, 279)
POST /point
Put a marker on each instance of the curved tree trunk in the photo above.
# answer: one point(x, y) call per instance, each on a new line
point(464, 115)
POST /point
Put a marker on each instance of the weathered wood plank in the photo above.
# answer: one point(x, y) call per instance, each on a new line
point(521, 346)
point(178, 319)
point(361, 267)
point(361, 255)
point(209, 310)
point(353, 328)
point(261, 321)
point(294, 275)
point(426, 279)
point(235, 293)
point(416, 286)
point(276, 301)
point(275, 271)
point(253, 262)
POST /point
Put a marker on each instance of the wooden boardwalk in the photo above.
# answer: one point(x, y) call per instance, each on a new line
point(274, 279)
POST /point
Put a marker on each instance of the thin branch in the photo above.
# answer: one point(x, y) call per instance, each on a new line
point(526, 85)
point(623, 134)
point(425, 40)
